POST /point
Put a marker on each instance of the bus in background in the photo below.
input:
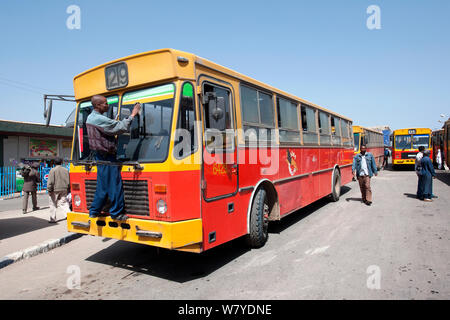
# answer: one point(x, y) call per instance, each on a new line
point(213, 156)
point(406, 143)
point(437, 141)
point(373, 140)
point(447, 143)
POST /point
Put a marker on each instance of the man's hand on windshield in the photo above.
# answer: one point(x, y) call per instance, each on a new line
point(136, 109)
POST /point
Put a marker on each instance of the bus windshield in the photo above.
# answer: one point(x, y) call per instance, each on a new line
point(81, 150)
point(403, 142)
point(149, 136)
point(356, 138)
point(421, 140)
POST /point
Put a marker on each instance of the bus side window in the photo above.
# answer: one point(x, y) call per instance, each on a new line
point(186, 135)
point(308, 116)
point(335, 130)
point(218, 118)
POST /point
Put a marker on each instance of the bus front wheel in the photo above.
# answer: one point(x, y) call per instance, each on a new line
point(336, 188)
point(259, 220)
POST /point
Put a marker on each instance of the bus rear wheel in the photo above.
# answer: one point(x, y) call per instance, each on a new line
point(336, 188)
point(259, 220)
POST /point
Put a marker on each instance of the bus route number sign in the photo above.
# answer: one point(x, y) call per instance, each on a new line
point(116, 76)
point(412, 131)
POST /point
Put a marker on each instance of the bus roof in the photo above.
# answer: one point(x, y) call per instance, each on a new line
point(176, 71)
point(358, 129)
point(406, 131)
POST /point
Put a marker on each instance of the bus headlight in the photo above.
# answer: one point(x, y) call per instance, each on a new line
point(77, 200)
point(161, 206)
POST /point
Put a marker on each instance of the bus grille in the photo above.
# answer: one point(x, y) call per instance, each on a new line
point(135, 193)
point(409, 155)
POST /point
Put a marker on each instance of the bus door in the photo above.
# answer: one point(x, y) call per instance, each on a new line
point(220, 170)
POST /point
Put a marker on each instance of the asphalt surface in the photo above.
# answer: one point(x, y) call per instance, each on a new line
point(398, 248)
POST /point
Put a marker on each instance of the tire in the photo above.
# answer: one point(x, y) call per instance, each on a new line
point(336, 187)
point(259, 220)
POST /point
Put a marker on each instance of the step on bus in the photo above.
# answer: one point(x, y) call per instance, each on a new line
point(406, 143)
point(372, 139)
point(213, 156)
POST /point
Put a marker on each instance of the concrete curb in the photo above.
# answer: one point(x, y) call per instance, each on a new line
point(36, 250)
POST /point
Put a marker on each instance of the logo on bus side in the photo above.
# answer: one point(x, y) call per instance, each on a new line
point(292, 165)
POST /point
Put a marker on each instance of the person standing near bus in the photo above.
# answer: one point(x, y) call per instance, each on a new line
point(31, 178)
point(386, 157)
point(418, 168)
point(101, 134)
point(427, 174)
point(364, 168)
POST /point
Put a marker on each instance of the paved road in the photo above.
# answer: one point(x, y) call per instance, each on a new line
point(399, 248)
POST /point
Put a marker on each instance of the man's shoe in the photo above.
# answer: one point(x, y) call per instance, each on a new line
point(24, 211)
point(120, 217)
point(427, 200)
point(369, 203)
point(36, 208)
point(52, 221)
point(433, 196)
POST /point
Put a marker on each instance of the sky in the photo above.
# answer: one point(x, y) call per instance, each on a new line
point(321, 51)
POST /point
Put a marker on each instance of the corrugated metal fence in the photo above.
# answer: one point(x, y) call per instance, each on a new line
point(11, 181)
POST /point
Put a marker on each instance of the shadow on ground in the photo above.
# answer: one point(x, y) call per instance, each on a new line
point(182, 266)
point(443, 176)
point(16, 226)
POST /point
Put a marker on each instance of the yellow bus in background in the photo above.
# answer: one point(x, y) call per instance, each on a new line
point(406, 143)
point(372, 139)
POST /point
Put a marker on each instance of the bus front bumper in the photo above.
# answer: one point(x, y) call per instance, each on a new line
point(404, 161)
point(183, 235)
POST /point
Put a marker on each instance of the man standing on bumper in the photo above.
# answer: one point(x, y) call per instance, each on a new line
point(364, 168)
point(101, 132)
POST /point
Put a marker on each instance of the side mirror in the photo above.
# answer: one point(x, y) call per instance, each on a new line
point(218, 112)
point(47, 111)
point(216, 107)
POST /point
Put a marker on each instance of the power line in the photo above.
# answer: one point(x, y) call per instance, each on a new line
point(2, 82)
point(22, 83)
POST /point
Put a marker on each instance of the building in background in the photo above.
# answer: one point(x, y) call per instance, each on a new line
point(28, 142)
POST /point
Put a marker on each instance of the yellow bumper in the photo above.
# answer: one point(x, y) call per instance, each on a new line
point(404, 161)
point(183, 235)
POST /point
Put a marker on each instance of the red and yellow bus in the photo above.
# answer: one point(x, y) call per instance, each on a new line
point(372, 139)
point(213, 156)
point(406, 143)
point(437, 141)
point(447, 143)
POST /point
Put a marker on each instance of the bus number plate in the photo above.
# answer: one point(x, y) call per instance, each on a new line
point(116, 76)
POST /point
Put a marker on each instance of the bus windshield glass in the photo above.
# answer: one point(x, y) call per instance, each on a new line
point(403, 142)
point(81, 150)
point(421, 140)
point(356, 138)
point(149, 136)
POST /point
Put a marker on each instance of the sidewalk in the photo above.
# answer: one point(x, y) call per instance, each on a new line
point(32, 230)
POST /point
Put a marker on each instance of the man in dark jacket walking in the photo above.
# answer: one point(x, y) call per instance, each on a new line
point(31, 179)
point(364, 168)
